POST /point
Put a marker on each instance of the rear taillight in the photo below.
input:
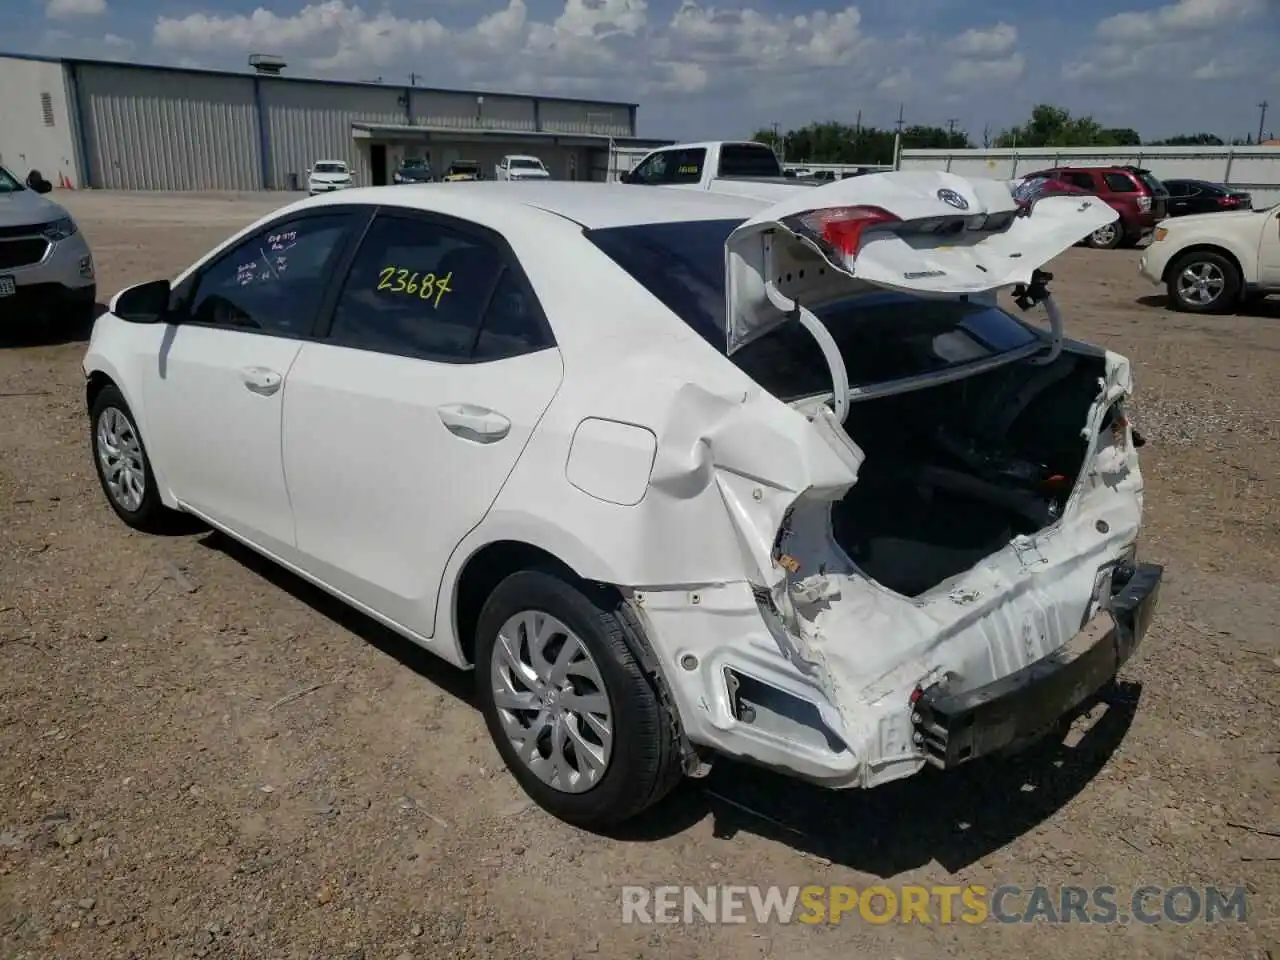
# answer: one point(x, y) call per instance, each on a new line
point(1228, 201)
point(841, 228)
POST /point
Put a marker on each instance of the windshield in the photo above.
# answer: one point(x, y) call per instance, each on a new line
point(1150, 182)
point(525, 163)
point(331, 168)
point(9, 183)
point(882, 336)
point(464, 168)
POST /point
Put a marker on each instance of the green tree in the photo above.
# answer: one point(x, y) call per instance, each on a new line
point(1190, 140)
point(831, 142)
point(1052, 126)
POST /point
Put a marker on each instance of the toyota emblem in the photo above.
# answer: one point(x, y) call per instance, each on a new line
point(953, 198)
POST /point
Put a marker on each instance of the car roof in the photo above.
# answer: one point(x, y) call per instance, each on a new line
point(591, 205)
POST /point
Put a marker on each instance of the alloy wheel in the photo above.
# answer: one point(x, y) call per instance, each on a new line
point(552, 702)
point(120, 457)
point(1201, 283)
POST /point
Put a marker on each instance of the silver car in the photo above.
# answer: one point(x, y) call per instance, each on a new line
point(45, 264)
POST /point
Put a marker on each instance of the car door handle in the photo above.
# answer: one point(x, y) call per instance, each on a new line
point(261, 381)
point(477, 424)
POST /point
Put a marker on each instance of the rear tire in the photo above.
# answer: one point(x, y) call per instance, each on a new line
point(123, 466)
point(1106, 237)
point(1204, 282)
point(577, 720)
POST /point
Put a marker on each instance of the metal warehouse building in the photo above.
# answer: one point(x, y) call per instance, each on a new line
point(135, 127)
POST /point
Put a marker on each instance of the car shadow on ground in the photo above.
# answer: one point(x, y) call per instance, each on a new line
point(458, 683)
point(1264, 308)
point(50, 331)
point(954, 818)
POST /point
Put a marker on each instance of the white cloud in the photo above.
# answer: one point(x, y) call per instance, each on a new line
point(1185, 16)
point(973, 73)
point(991, 42)
point(66, 9)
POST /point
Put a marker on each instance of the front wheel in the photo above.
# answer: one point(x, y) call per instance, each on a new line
point(1203, 282)
point(576, 719)
point(122, 464)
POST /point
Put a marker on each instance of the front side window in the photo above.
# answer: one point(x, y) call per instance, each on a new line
point(418, 289)
point(274, 281)
point(9, 183)
point(653, 170)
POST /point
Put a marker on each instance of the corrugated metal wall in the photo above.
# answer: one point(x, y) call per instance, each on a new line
point(147, 130)
point(36, 125)
point(463, 110)
point(307, 122)
point(1256, 169)
point(602, 118)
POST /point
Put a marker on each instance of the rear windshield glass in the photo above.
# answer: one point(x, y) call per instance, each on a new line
point(745, 160)
point(1150, 181)
point(882, 336)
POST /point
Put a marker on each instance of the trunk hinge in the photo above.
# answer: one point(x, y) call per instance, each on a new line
point(1037, 291)
point(816, 328)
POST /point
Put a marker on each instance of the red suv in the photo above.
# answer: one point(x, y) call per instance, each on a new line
point(1139, 198)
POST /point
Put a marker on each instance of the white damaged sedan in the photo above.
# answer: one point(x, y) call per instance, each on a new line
point(679, 475)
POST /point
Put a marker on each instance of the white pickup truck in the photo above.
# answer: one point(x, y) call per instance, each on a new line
point(516, 166)
point(741, 168)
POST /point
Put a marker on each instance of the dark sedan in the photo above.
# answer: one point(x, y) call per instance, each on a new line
point(413, 172)
point(1201, 196)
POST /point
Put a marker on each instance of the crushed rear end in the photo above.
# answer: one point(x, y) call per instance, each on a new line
point(946, 565)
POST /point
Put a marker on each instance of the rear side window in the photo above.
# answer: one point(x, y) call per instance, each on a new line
point(687, 166)
point(747, 160)
point(416, 289)
point(1119, 183)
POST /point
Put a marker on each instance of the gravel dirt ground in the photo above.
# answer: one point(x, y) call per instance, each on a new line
point(202, 756)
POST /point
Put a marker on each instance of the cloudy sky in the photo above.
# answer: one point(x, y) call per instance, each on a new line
point(723, 70)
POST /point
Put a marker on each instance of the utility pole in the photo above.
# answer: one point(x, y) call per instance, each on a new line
point(1262, 118)
point(900, 120)
point(951, 129)
point(413, 79)
point(777, 142)
point(986, 136)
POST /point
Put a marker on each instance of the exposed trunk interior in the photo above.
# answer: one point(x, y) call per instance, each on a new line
point(954, 472)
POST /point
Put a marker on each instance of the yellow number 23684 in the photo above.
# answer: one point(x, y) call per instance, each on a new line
point(413, 284)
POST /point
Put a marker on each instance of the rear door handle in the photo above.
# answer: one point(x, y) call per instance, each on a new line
point(261, 381)
point(477, 424)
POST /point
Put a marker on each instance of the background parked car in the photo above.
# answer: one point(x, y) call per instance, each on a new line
point(413, 171)
point(45, 263)
point(328, 175)
point(1201, 196)
point(462, 170)
point(1136, 194)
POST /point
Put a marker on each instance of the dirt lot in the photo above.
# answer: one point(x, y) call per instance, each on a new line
point(167, 789)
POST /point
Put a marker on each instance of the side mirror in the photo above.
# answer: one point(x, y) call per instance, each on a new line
point(43, 186)
point(143, 303)
point(628, 177)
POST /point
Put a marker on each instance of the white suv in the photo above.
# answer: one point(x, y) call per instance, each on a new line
point(45, 263)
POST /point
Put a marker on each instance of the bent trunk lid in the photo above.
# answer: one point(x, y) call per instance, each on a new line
point(940, 235)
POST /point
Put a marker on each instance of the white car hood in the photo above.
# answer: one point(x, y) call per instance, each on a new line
point(1209, 219)
point(775, 245)
point(529, 175)
point(330, 177)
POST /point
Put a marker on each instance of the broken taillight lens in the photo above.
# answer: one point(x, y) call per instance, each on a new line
point(841, 228)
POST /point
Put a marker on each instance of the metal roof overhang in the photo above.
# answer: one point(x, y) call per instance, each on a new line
point(427, 134)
